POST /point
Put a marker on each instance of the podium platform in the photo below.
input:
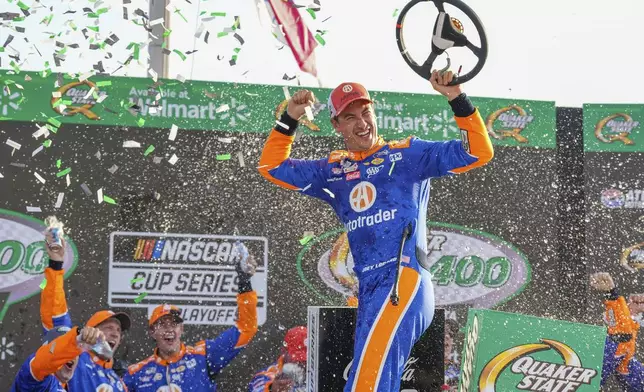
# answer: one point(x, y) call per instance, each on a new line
point(330, 352)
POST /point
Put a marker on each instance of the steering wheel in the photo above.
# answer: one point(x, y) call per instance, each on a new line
point(448, 33)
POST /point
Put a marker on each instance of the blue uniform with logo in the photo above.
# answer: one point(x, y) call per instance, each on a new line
point(376, 194)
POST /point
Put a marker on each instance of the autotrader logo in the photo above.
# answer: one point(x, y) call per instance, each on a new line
point(362, 196)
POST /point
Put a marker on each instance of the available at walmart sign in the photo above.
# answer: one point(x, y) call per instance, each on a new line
point(254, 108)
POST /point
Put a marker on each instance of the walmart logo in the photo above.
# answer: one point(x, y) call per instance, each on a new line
point(7, 100)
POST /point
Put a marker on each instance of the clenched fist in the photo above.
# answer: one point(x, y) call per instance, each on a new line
point(298, 102)
point(602, 281)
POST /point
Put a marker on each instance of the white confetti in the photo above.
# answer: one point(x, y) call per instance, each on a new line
point(113, 169)
point(102, 98)
point(39, 177)
point(11, 143)
point(173, 132)
point(19, 86)
point(85, 76)
point(281, 124)
point(222, 108)
point(173, 159)
point(287, 95)
point(36, 151)
point(98, 155)
point(329, 192)
point(43, 130)
point(131, 144)
point(154, 74)
point(156, 22)
point(56, 94)
point(251, 94)
point(33, 209)
point(309, 113)
point(227, 140)
point(99, 194)
point(181, 78)
point(89, 93)
point(68, 180)
point(240, 156)
point(59, 200)
point(306, 188)
point(157, 160)
point(1, 176)
point(152, 110)
point(200, 31)
point(28, 78)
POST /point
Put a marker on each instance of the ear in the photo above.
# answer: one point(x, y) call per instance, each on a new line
point(335, 123)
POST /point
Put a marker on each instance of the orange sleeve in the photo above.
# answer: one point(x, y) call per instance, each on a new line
point(49, 358)
point(53, 304)
point(618, 317)
point(476, 140)
point(247, 321)
point(276, 150)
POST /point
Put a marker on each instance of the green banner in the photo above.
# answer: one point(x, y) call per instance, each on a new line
point(196, 105)
point(506, 352)
point(613, 127)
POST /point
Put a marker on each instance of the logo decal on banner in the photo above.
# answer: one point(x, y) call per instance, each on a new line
point(616, 127)
point(83, 99)
point(23, 258)
point(615, 198)
point(194, 272)
point(468, 266)
point(542, 375)
point(512, 123)
point(7, 101)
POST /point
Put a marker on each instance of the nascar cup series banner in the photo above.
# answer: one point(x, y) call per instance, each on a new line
point(507, 352)
point(167, 221)
point(250, 108)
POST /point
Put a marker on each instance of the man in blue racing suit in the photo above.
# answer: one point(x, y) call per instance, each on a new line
point(380, 192)
point(177, 367)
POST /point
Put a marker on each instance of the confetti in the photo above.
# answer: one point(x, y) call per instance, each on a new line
point(287, 95)
point(43, 284)
point(113, 169)
point(109, 200)
point(149, 150)
point(140, 297)
point(58, 163)
point(239, 38)
point(137, 280)
point(104, 83)
point(98, 155)
point(329, 192)
point(34, 209)
point(395, 12)
point(157, 160)
point(64, 172)
point(156, 22)
point(1, 176)
point(86, 189)
point(311, 12)
point(131, 144)
point(240, 157)
point(56, 94)
point(320, 39)
point(306, 239)
point(173, 159)
point(181, 78)
point(99, 195)
point(222, 108)
point(309, 113)
point(68, 180)
point(39, 177)
point(36, 151)
point(59, 200)
point(173, 132)
point(101, 98)
point(227, 140)
point(54, 122)
point(392, 168)
point(326, 19)
point(16, 164)
point(223, 157)
point(286, 77)
point(14, 145)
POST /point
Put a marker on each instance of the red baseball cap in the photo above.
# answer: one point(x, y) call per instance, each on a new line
point(164, 310)
point(103, 315)
point(295, 342)
point(344, 94)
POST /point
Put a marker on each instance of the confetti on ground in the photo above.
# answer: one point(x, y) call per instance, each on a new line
point(222, 108)
point(140, 297)
point(39, 177)
point(59, 162)
point(109, 200)
point(149, 150)
point(98, 155)
point(140, 122)
point(240, 157)
point(223, 157)
point(16, 164)
point(34, 209)
point(99, 195)
point(392, 168)
point(64, 172)
point(131, 144)
point(137, 280)
point(113, 169)
point(59, 200)
point(14, 145)
point(43, 284)
point(227, 140)
point(157, 160)
point(85, 189)
point(173, 159)
point(173, 132)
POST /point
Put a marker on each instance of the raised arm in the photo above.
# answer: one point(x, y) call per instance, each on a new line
point(53, 304)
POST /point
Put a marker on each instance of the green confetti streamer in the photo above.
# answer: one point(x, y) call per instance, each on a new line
point(14, 66)
point(102, 11)
point(54, 122)
point(140, 297)
point(149, 150)
point(312, 13)
point(92, 15)
point(183, 56)
point(140, 122)
point(47, 143)
point(202, 12)
point(167, 33)
point(237, 50)
point(320, 39)
point(223, 157)
point(43, 284)
point(52, 128)
point(18, 19)
point(67, 102)
point(93, 28)
point(23, 6)
point(135, 55)
point(57, 103)
point(58, 163)
point(306, 239)
point(137, 280)
point(222, 34)
point(234, 57)
point(178, 12)
point(392, 168)
point(395, 12)
point(109, 200)
point(64, 172)
point(72, 25)
point(104, 83)
point(1, 49)
point(217, 14)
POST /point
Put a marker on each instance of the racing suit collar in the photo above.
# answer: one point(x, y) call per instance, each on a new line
point(173, 359)
point(101, 362)
point(358, 155)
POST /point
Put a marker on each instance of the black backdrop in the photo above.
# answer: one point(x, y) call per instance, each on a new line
point(532, 198)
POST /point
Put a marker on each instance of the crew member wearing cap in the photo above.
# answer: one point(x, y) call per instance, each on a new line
point(177, 367)
point(53, 365)
point(380, 193)
point(282, 376)
point(93, 372)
